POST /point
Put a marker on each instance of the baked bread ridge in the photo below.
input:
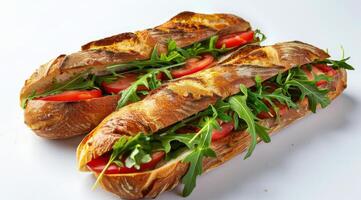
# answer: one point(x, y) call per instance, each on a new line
point(60, 120)
point(149, 184)
point(191, 94)
point(185, 28)
point(55, 120)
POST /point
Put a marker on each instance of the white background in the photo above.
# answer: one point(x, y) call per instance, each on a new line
point(316, 158)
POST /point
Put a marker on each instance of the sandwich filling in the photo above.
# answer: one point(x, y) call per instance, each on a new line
point(142, 76)
point(244, 111)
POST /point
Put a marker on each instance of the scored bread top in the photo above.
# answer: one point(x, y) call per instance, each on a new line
point(183, 97)
point(185, 28)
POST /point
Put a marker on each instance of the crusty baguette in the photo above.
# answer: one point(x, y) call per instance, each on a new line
point(54, 120)
point(191, 94)
point(47, 118)
point(149, 184)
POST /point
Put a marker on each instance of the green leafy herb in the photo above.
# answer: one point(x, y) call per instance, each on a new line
point(238, 104)
point(338, 64)
point(80, 81)
point(174, 55)
point(259, 36)
point(196, 156)
point(123, 145)
point(315, 96)
point(242, 109)
point(148, 80)
point(138, 156)
point(183, 138)
point(297, 79)
point(257, 98)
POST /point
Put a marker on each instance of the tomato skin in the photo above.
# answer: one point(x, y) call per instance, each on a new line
point(73, 95)
point(321, 83)
point(320, 69)
point(226, 129)
point(326, 69)
point(121, 84)
point(235, 39)
point(193, 65)
point(266, 115)
point(282, 110)
point(97, 165)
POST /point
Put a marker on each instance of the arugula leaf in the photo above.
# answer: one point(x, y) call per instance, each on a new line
point(262, 133)
point(259, 36)
point(196, 156)
point(255, 102)
point(296, 85)
point(149, 80)
point(107, 78)
point(338, 64)
point(296, 78)
point(239, 105)
point(137, 157)
point(81, 81)
point(315, 96)
point(280, 97)
point(183, 138)
point(174, 55)
point(124, 144)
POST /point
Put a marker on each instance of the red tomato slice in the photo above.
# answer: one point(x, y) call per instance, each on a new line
point(326, 69)
point(321, 83)
point(320, 69)
point(282, 110)
point(226, 129)
point(193, 65)
point(235, 39)
point(309, 73)
point(97, 165)
point(121, 84)
point(74, 95)
point(161, 76)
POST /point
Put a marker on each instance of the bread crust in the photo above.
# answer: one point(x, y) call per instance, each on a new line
point(149, 184)
point(59, 120)
point(188, 95)
point(185, 28)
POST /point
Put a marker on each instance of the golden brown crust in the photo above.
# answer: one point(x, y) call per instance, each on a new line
point(149, 184)
point(191, 94)
point(58, 120)
point(185, 28)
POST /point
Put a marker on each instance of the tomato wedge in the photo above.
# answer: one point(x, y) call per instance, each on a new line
point(321, 83)
point(282, 110)
point(74, 95)
point(320, 69)
point(235, 39)
point(226, 129)
point(122, 83)
point(193, 65)
point(326, 69)
point(97, 165)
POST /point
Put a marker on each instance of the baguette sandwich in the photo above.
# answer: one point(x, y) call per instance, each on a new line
point(72, 94)
point(195, 123)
